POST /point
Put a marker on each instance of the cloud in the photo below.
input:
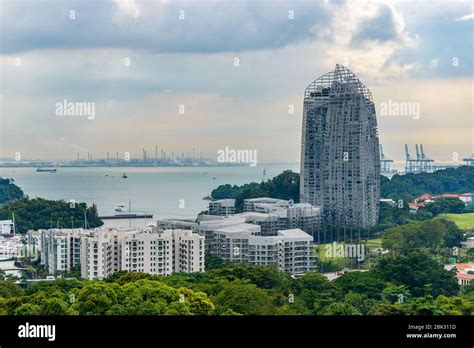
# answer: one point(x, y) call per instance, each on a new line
point(385, 25)
point(190, 62)
point(469, 17)
point(170, 27)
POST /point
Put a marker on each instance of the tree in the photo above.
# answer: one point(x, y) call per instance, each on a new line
point(284, 186)
point(39, 213)
point(9, 289)
point(416, 270)
point(199, 303)
point(96, 299)
point(367, 283)
point(54, 306)
point(411, 185)
point(266, 277)
point(9, 191)
point(396, 293)
point(445, 206)
point(426, 306)
point(360, 301)
point(313, 291)
point(455, 305)
point(28, 309)
point(430, 234)
point(244, 299)
point(453, 235)
point(212, 261)
point(384, 308)
point(341, 308)
point(413, 236)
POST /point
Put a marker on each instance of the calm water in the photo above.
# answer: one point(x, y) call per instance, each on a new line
point(152, 190)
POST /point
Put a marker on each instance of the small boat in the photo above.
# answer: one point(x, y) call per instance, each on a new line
point(213, 178)
point(207, 198)
point(124, 176)
point(119, 208)
point(46, 170)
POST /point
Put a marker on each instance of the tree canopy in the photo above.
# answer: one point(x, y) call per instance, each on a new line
point(39, 213)
point(9, 191)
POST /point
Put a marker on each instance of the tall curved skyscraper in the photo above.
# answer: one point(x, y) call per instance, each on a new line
point(340, 163)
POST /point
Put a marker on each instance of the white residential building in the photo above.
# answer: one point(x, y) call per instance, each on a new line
point(6, 227)
point(290, 250)
point(288, 215)
point(223, 207)
point(208, 224)
point(59, 248)
point(163, 252)
point(265, 204)
point(303, 216)
point(101, 252)
point(270, 223)
point(175, 224)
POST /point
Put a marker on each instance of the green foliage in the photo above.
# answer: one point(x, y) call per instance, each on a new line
point(28, 309)
point(9, 289)
point(283, 186)
point(266, 277)
point(212, 261)
point(429, 235)
point(426, 306)
point(361, 282)
point(455, 305)
point(246, 299)
point(396, 293)
point(416, 270)
point(9, 191)
point(96, 299)
point(409, 186)
point(38, 213)
point(340, 308)
point(444, 206)
point(392, 216)
point(315, 292)
point(384, 308)
point(239, 289)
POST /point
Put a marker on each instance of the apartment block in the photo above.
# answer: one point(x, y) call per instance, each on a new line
point(208, 224)
point(264, 204)
point(101, 252)
point(340, 161)
point(175, 224)
point(164, 252)
point(283, 214)
point(290, 250)
point(223, 207)
point(59, 249)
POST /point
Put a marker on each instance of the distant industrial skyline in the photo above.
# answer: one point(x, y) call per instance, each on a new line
point(210, 75)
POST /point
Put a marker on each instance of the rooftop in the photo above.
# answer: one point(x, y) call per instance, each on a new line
point(294, 233)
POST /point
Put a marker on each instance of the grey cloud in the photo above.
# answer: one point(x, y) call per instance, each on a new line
point(208, 26)
point(380, 28)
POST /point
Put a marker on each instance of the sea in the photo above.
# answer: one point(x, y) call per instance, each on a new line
point(165, 192)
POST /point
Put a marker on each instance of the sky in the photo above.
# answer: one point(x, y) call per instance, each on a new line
point(207, 75)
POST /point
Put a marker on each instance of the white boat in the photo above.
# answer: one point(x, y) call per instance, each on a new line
point(119, 208)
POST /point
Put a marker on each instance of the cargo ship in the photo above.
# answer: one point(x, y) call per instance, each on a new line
point(47, 170)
